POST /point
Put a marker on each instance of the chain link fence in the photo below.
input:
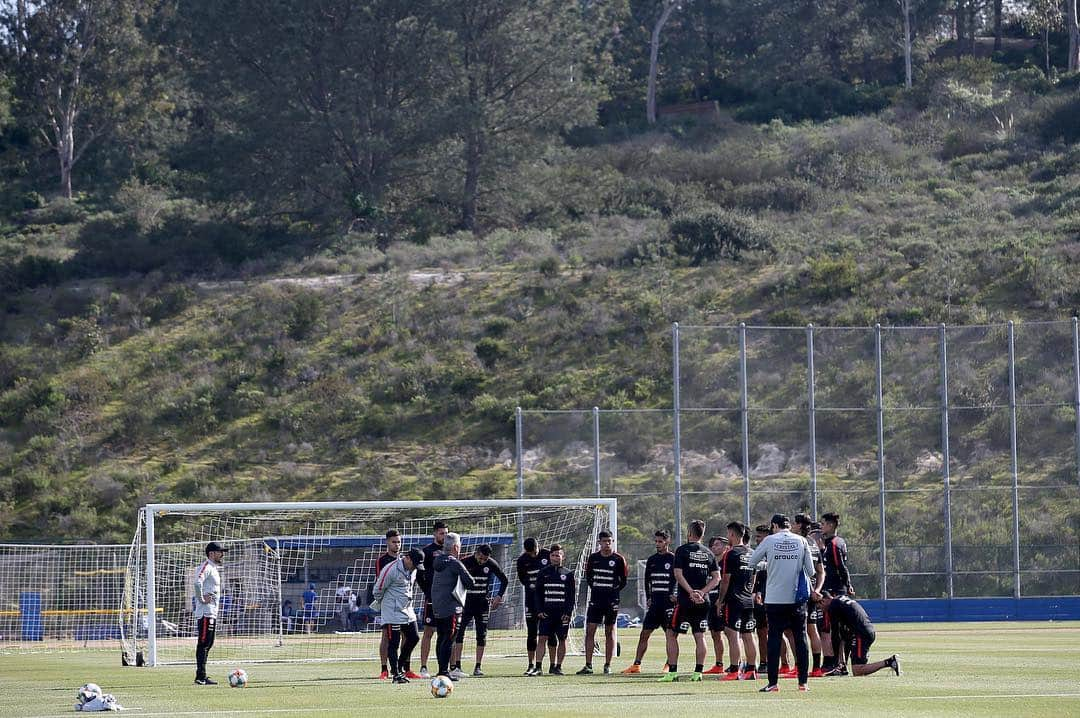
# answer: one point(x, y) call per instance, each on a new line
point(951, 453)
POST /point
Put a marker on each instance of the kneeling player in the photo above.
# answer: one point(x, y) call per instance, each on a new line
point(660, 596)
point(850, 619)
point(555, 594)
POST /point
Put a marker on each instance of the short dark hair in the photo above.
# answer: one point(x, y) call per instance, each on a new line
point(439, 525)
point(831, 517)
point(603, 535)
point(555, 547)
point(803, 519)
point(391, 533)
point(483, 548)
point(530, 544)
point(697, 528)
point(737, 527)
point(661, 533)
point(762, 528)
point(714, 539)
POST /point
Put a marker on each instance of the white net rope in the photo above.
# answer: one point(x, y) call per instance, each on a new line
point(276, 556)
point(60, 597)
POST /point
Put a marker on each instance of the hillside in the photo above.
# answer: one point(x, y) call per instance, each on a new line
point(392, 368)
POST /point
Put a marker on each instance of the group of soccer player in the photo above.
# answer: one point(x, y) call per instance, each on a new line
point(722, 587)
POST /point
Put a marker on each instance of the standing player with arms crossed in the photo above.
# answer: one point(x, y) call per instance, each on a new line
point(605, 572)
point(659, 596)
point(424, 578)
point(393, 548)
point(529, 565)
point(479, 604)
point(556, 592)
point(696, 574)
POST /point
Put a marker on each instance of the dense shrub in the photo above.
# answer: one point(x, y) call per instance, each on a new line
point(782, 194)
point(833, 277)
point(1057, 119)
point(709, 235)
point(816, 100)
point(490, 350)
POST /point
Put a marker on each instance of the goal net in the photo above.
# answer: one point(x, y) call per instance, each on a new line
point(277, 552)
point(60, 597)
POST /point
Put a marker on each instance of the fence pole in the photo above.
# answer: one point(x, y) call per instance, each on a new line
point(945, 457)
point(520, 475)
point(1076, 390)
point(880, 462)
point(676, 447)
point(745, 421)
point(813, 418)
point(596, 447)
point(1013, 463)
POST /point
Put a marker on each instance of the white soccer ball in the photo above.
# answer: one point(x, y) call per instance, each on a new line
point(88, 692)
point(441, 687)
point(238, 678)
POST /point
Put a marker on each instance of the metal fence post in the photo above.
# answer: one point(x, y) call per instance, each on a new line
point(882, 565)
point(1076, 390)
point(596, 446)
point(676, 446)
point(745, 421)
point(520, 475)
point(945, 458)
point(813, 418)
point(1013, 463)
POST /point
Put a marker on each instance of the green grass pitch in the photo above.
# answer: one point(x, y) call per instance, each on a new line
point(991, 669)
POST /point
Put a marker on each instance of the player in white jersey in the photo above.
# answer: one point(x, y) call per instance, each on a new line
point(207, 599)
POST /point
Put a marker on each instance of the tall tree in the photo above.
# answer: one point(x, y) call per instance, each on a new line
point(1043, 16)
point(514, 80)
point(80, 71)
point(666, 8)
point(1072, 19)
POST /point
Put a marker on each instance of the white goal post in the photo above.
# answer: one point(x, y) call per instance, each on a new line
point(280, 551)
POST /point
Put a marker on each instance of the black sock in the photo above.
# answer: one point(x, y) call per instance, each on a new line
point(733, 668)
point(698, 667)
point(673, 667)
point(720, 663)
point(817, 661)
point(477, 665)
point(637, 663)
point(384, 668)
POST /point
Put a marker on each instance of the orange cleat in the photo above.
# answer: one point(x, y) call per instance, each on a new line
point(790, 673)
point(731, 676)
point(715, 670)
point(631, 670)
point(817, 673)
point(384, 675)
point(804, 688)
point(412, 676)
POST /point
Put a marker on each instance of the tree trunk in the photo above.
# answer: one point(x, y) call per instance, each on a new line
point(1046, 46)
point(1073, 24)
point(998, 9)
point(473, 155)
point(654, 55)
point(906, 5)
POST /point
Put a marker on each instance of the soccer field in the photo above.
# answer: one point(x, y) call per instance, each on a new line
point(959, 669)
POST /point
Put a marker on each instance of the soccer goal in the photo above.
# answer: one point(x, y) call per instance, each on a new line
point(277, 552)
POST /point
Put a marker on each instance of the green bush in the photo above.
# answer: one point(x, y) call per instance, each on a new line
point(305, 314)
point(489, 351)
point(709, 235)
point(784, 194)
point(833, 277)
point(1057, 119)
point(816, 100)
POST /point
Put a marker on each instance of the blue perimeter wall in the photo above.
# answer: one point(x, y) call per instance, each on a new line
point(1056, 608)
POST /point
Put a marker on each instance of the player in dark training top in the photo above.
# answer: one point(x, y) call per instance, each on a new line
point(737, 605)
point(805, 527)
point(439, 531)
point(851, 621)
point(529, 565)
point(605, 572)
point(479, 602)
point(696, 574)
point(719, 547)
point(659, 595)
point(837, 580)
point(556, 592)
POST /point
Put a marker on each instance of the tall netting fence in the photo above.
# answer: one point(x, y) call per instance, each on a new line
point(952, 454)
point(276, 555)
point(55, 598)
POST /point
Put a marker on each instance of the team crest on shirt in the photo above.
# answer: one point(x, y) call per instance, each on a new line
point(667, 566)
point(562, 576)
point(486, 569)
point(611, 562)
point(543, 562)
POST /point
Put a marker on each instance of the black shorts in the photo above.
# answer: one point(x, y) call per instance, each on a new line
point(690, 618)
point(555, 626)
point(859, 649)
point(479, 614)
point(659, 614)
point(786, 616)
point(602, 613)
point(760, 616)
point(716, 616)
point(738, 617)
point(813, 613)
point(429, 614)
